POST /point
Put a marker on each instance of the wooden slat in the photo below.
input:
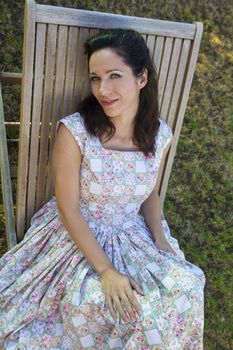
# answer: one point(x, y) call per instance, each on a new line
point(36, 113)
point(164, 67)
point(178, 90)
point(171, 79)
point(151, 44)
point(57, 107)
point(92, 19)
point(46, 114)
point(81, 65)
point(70, 69)
point(144, 37)
point(6, 182)
point(158, 53)
point(25, 114)
point(183, 103)
point(9, 77)
point(86, 89)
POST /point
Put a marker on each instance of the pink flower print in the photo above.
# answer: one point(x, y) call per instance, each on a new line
point(160, 275)
point(82, 330)
point(129, 189)
point(129, 166)
point(94, 198)
point(140, 338)
point(106, 219)
point(84, 183)
point(107, 165)
point(159, 260)
point(175, 291)
point(50, 329)
point(45, 341)
point(141, 178)
point(99, 338)
point(180, 320)
point(84, 138)
point(149, 323)
point(137, 329)
point(107, 189)
point(93, 152)
point(176, 274)
point(171, 314)
point(85, 164)
point(147, 347)
point(89, 316)
point(97, 215)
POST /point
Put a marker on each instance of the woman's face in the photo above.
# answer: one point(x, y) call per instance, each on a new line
point(114, 85)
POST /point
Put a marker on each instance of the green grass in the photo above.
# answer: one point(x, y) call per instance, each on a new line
point(198, 205)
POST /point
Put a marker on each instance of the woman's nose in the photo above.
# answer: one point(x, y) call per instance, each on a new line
point(104, 87)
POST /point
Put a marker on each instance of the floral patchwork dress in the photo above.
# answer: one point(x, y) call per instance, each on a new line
point(51, 297)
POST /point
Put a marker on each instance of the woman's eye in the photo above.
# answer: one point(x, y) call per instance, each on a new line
point(115, 75)
point(93, 78)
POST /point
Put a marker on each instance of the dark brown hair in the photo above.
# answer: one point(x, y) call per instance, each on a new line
point(131, 46)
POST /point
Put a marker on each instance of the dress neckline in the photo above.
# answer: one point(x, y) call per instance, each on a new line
point(117, 150)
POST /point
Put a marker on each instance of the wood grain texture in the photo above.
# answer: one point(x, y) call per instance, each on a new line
point(93, 19)
point(25, 116)
point(36, 115)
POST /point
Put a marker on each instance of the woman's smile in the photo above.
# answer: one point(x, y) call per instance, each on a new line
point(108, 103)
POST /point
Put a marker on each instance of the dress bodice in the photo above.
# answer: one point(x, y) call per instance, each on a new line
point(114, 183)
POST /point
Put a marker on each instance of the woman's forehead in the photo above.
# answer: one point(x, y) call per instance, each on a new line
point(107, 60)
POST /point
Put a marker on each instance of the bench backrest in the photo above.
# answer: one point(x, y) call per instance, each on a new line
point(55, 80)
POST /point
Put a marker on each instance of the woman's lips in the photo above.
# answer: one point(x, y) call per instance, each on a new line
point(108, 103)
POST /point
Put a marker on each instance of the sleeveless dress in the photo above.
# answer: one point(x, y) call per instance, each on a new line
point(51, 297)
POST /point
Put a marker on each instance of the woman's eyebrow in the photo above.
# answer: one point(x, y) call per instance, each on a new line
point(108, 71)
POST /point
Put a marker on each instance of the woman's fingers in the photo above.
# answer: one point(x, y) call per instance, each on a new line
point(110, 307)
point(128, 307)
point(132, 298)
point(118, 289)
point(136, 286)
point(120, 309)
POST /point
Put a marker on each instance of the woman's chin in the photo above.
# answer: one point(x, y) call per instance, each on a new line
point(110, 115)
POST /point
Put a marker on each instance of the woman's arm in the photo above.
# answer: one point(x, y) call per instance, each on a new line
point(151, 210)
point(66, 161)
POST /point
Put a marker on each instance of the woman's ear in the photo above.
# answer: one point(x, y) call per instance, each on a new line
point(143, 78)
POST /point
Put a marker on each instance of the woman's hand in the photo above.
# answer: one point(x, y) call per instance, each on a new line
point(118, 290)
point(162, 244)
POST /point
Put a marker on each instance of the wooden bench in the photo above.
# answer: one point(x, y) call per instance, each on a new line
point(55, 79)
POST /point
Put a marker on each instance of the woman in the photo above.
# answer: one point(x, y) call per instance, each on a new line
point(98, 268)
